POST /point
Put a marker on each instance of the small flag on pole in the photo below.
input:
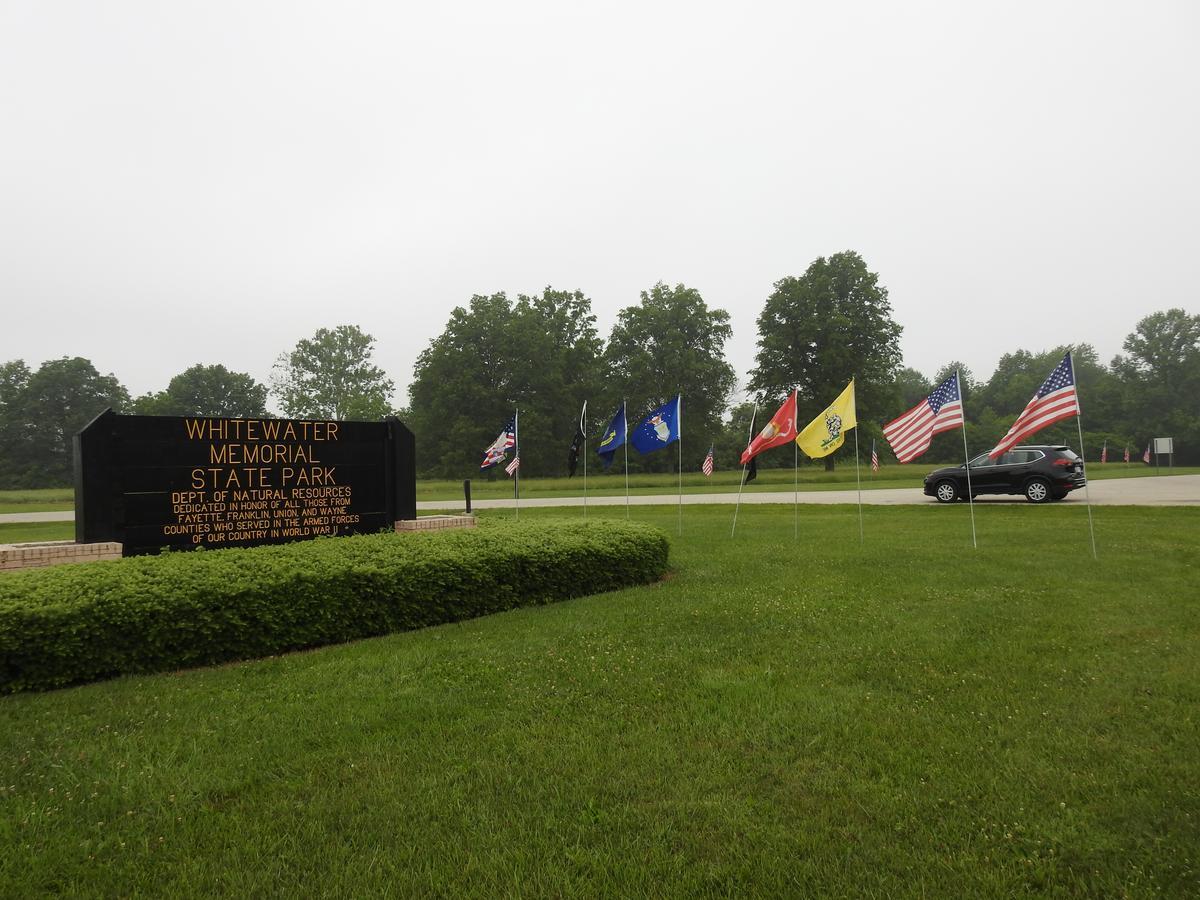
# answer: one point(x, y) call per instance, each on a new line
point(707, 466)
point(1126, 453)
point(512, 467)
point(1104, 452)
point(874, 457)
point(1146, 455)
point(1055, 400)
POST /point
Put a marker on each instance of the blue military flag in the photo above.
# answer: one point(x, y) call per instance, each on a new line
point(659, 428)
point(613, 438)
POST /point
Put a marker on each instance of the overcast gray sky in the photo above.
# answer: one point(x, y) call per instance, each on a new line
point(212, 181)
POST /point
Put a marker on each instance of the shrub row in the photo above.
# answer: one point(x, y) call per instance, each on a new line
point(78, 623)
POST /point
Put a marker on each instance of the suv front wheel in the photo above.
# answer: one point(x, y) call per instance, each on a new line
point(946, 492)
point(1037, 490)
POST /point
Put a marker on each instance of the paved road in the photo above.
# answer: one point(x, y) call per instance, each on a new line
point(1165, 490)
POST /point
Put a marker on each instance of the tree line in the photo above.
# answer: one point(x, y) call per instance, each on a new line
point(544, 354)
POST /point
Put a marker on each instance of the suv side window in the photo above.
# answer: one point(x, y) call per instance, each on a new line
point(1028, 456)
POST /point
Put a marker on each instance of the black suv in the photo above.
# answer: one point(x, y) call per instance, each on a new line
point(1041, 473)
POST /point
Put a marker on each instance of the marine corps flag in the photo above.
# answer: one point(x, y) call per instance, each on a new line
point(780, 430)
point(826, 432)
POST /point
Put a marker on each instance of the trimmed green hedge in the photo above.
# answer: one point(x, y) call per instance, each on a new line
point(77, 623)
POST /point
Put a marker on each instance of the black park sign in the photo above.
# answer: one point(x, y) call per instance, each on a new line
point(150, 482)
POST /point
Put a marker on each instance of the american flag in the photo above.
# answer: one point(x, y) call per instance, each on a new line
point(707, 466)
point(909, 435)
point(1126, 453)
point(513, 466)
point(1104, 453)
point(1146, 455)
point(874, 458)
point(504, 442)
point(1055, 400)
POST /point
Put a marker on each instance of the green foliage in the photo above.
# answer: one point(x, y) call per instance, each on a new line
point(1159, 377)
point(901, 717)
point(331, 376)
point(539, 354)
point(207, 391)
point(819, 330)
point(41, 411)
point(79, 623)
point(669, 343)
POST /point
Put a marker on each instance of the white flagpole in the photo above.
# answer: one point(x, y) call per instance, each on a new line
point(742, 483)
point(517, 470)
point(966, 457)
point(583, 431)
point(1082, 456)
point(625, 444)
point(796, 478)
point(858, 467)
point(679, 425)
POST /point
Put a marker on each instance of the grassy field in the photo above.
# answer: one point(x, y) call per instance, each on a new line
point(777, 718)
point(810, 477)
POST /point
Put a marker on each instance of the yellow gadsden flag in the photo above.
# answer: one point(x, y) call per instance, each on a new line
point(825, 433)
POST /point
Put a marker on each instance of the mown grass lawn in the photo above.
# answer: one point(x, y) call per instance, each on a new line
point(777, 718)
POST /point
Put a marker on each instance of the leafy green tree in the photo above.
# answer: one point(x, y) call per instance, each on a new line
point(1159, 376)
point(14, 376)
point(539, 354)
point(1017, 377)
point(671, 342)
point(331, 376)
point(207, 391)
point(819, 330)
point(911, 388)
point(45, 409)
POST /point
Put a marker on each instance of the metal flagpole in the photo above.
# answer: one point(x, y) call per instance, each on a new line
point(742, 483)
point(517, 454)
point(679, 425)
point(795, 491)
point(858, 468)
point(796, 481)
point(583, 431)
point(966, 458)
point(625, 444)
point(1087, 494)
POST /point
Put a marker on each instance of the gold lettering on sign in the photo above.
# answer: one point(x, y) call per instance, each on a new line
point(262, 479)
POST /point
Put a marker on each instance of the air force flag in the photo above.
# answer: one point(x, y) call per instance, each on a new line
point(659, 428)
